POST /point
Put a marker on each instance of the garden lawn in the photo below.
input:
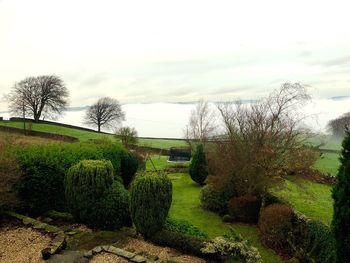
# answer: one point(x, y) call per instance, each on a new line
point(160, 162)
point(56, 129)
point(328, 163)
point(311, 199)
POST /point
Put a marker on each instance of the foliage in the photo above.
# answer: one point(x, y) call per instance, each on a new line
point(213, 199)
point(228, 219)
point(128, 136)
point(318, 244)
point(184, 227)
point(301, 160)
point(245, 208)
point(341, 206)
point(105, 112)
point(179, 241)
point(251, 156)
point(151, 196)
point(232, 248)
point(129, 165)
point(275, 224)
point(339, 125)
point(94, 198)
point(198, 167)
point(44, 166)
point(39, 96)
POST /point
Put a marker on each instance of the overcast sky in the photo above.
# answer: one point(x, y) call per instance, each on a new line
point(176, 51)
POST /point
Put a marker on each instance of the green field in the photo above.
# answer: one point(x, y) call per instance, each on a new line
point(311, 199)
point(55, 129)
point(186, 205)
point(162, 143)
point(328, 163)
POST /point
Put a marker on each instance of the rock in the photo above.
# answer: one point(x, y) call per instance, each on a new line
point(105, 248)
point(68, 257)
point(126, 254)
point(96, 250)
point(71, 233)
point(138, 259)
point(88, 254)
point(46, 253)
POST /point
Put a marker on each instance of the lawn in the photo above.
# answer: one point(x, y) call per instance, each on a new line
point(311, 199)
point(186, 205)
point(328, 163)
point(55, 129)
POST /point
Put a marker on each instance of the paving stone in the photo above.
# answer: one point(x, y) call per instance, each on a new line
point(96, 250)
point(138, 259)
point(105, 248)
point(68, 257)
point(88, 254)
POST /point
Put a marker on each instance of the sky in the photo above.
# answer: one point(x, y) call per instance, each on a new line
point(176, 51)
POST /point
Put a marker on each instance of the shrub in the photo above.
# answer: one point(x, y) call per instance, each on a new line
point(245, 208)
point(232, 248)
point(198, 167)
point(228, 219)
point(184, 227)
point(151, 196)
point(94, 197)
point(318, 243)
point(129, 167)
point(213, 199)
point(44, 167)
point(341, 206)
point(275, 224)
point(180, 241)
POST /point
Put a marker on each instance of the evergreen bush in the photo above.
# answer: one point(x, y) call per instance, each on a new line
point(199, 167)
point(129, 167)
point(213, 199)
point(94, 198)
point(245, 208)
point(151, 196)
point(341, 206)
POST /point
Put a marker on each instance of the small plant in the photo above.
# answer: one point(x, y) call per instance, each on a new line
point(275, 224)
point(232, 248)
point(128, 136)
point(198, 166)
point(245, 208)
point(151, 196)
point(341, 207)
point(94, 197)
point(184, 227)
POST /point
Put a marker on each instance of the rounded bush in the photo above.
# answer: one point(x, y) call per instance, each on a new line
point(151, 196)
point(94, 198)
point(199, 167)
point(213, 199)
point(275, 224)
point(245, 208)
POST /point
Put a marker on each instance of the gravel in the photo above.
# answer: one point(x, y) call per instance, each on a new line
point(108, 258)
point(22, 245)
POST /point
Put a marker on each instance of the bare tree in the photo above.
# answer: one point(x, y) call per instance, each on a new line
point(338, 126)
point(201, 124)
point(105, 112)
point(260, 140)
point(128, 136)
point(39, 96)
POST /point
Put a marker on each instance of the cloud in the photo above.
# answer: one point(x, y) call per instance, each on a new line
point(339, 61)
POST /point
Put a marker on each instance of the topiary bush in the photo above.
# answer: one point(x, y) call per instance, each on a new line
point(94, 198)
point(213, 199)
point(199, 167)
point(245, 208)
point(43, 168)
point(275, 224)
point(184, 227)
point(129, 167)
point(151, 196)
point(341, 206)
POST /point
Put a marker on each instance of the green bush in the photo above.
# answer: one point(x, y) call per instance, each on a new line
point(245, 208)
point(199, 167)
point(184, 227)
point(213, 199)
point(184, 243)
point(341, 206)
point(228, 219)
point(129, 167)
point(94, 198)
point(275, 224)
point(43, 169)
point(318, 243)
point(151, 196)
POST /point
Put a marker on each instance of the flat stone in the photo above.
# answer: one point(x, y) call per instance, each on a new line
point(105, 248)
point(68, 257)
point(96, 250)
point(88, 254)
point(138, 259)
point(126, 254)
point(40, 226)
point(71, 233)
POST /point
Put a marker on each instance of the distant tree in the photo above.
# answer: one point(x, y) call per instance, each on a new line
point(201, 124)
point(341, 206)
point(198, 167)
point(128, 135)
point(39, 96)
point(105, 112)
point(337, 126)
